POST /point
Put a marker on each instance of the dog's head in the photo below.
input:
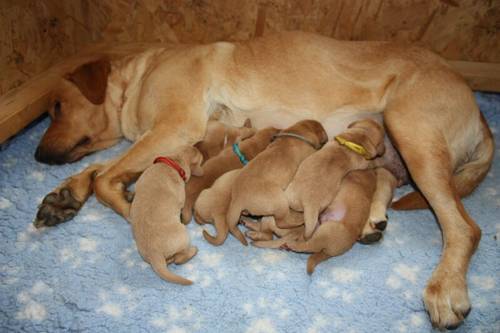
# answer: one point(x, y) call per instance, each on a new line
point(79, 125)
point(219, 136)
point(193, 158)
point(367, 133)
point(311, 130)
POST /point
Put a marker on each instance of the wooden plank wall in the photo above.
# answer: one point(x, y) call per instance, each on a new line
point(35, 34)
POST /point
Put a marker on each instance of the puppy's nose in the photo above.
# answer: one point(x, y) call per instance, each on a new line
point(37, 154)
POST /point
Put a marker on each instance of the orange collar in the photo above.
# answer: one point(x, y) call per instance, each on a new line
point(173, 164)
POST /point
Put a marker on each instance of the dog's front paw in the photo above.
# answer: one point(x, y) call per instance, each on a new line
point(57, 207)
point(446, 300)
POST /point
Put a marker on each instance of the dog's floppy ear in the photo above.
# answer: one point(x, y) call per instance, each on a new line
point(92, 79)
point(195, 163)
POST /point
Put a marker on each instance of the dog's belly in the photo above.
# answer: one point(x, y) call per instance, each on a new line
point(334, 122)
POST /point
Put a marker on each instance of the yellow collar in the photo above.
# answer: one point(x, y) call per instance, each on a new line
point(358, 149)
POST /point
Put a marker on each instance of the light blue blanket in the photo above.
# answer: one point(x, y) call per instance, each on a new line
point(86, 275)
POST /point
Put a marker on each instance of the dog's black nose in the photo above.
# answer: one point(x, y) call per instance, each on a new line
point(43, 157)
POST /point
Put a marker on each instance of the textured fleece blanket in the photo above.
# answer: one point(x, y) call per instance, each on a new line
point(86, 275)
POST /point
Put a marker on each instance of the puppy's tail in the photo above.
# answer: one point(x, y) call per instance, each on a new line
point(159, 266)
point(232, 220)
point(221, 229)
point(465, 178)
point(311, 214)
point(314, 259)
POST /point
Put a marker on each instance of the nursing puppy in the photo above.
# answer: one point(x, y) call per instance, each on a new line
point(160, 237)
point(318, 178)
point(259, 189)
point(220, 136)
point(342, 222)
point(225, 161)
point(212, 204)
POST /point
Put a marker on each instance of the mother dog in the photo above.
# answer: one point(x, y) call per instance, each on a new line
point(163, 97)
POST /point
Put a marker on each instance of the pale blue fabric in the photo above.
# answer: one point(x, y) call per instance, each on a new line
point(86, 275)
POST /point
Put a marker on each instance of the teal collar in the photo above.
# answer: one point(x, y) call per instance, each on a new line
point(237, 151)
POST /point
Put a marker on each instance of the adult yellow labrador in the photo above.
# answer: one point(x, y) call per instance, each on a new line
point(163, 97)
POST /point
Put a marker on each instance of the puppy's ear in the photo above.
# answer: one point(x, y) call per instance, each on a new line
point(247, 123)
point(196, 160)
point(358, 136)
point(92, 79)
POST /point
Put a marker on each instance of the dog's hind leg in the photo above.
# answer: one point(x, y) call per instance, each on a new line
point(185, 255)
point(221, 229)
point(426, 138)
point(65, 201)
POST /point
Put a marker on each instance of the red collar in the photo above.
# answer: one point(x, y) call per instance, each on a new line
point(173, 164)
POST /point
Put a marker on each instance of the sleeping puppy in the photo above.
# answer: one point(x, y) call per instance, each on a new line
point(219, 136)
point(212, 204)
point(343, 220)
point(318, 178)
point(259, 188)
point(225, 161)
point(159, 197)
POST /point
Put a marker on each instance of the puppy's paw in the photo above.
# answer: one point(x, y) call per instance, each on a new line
point(380, 224)
point(57, 207)
point(446, 300)
point(371, 238)
point(258, 236)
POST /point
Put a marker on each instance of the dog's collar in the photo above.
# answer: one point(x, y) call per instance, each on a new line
point(173, 164)
point(357, 148)
point(241, 156)
point(296, 136)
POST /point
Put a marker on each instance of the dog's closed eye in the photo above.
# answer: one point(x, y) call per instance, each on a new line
point(57, 109)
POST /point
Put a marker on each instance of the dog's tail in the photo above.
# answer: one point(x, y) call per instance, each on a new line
point(314, 259)
point(311, 214)
point(221, 229)
point(159, 266)
point(465, 178)
point(232, 220)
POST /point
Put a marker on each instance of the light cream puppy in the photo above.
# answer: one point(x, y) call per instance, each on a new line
point(160, 236)
point(318, 178)
point(343, 222)
point(212, 204)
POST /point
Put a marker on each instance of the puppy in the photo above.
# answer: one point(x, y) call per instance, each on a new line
point(219, 136)
point(225, 161)
point(259, 188)
point(211, 206)
point(159, 197)
point(342, 222)
point(318, 178)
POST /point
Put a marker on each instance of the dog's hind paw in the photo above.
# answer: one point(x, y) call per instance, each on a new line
point(57, 207)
